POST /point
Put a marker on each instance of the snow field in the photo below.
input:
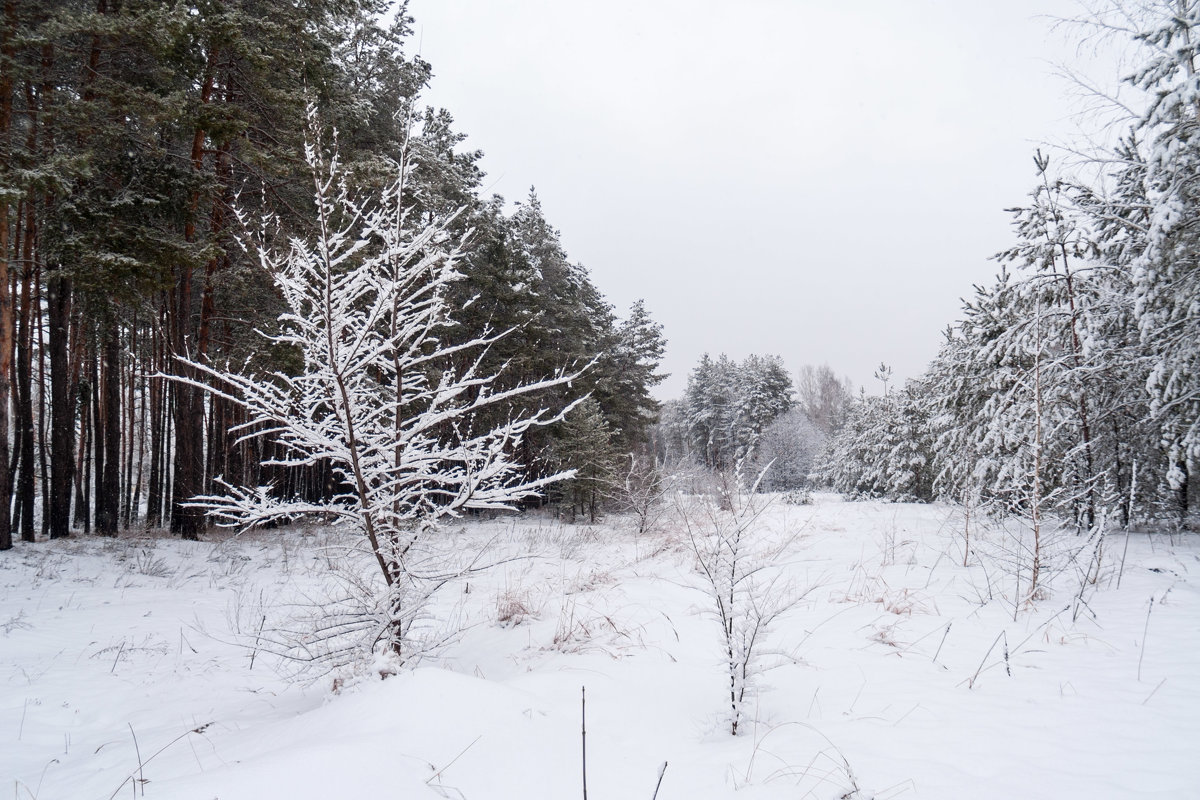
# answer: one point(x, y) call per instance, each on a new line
point(889, 679)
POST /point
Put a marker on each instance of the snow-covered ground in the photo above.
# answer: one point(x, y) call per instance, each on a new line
point(901, 673)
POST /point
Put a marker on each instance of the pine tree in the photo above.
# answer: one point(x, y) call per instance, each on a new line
point(584, 445)
point(711, 406)
point(1053, 243)
point(884, 450)
point(728, 405)
point(1166, 275)
point(631, 362)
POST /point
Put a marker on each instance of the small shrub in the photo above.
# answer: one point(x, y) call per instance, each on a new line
point(798, 497)
point(512, 609)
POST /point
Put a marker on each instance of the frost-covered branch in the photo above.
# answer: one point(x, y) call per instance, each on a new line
point(377, 396)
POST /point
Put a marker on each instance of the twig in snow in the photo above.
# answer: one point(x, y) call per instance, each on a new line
point(141, 764)
point(942, 642)
point(257, 637)
point(1124, 552)
point(438, 774)
point(118, 658)
point(583, 734)
point(141, 775)
point(813, 701)
point(1145, 630)
point(661, 771)
point(905, 716)
point(1132, 489)
point(34, 794)
point(1156, 688)
point(1003, 635)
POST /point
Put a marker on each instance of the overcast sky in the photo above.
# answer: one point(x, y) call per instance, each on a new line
point(814, 179)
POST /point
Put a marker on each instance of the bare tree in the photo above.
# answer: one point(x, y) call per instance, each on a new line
point(823, 397)
point(641, 490)
point(377, 397)
point(740, 570)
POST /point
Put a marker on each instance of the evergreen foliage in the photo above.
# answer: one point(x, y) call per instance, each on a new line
point(1073, 382)
point(129, 132)
point(728, 405)
point(883, 449)
point(585, 447)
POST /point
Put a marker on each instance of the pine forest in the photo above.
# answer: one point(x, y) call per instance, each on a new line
point(284, 380)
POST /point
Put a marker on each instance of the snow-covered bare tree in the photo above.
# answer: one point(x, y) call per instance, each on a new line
point(376, 396)
point(790, 445)
point(742, 571)
point(824, 397)
point(641, 489)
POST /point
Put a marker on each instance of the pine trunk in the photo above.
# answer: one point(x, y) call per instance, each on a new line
point(24, 422)
point(157, 392)
point(62, 411)
point(6, 310)
point(98, 428)
point(108, 496)
point(188, 521)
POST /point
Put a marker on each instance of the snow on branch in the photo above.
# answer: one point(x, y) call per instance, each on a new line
point(377, 397)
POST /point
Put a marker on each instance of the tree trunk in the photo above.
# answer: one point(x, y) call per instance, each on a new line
point(98, 427)
point(188, 521)
point(62, 411)
point(157, 391)
point(1084, 425)
point(135, 504)
point(24, 422)
point(6, 352)
point(6, 310)
point(44, 446)
point(108, 498)
point(128, 428)
point(1182, 494)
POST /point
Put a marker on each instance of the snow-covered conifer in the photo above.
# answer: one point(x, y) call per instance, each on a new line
point(1166, 274)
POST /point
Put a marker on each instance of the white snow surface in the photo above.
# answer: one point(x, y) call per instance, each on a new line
point(889, 680)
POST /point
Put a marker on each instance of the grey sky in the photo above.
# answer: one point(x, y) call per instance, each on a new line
point(818, 180)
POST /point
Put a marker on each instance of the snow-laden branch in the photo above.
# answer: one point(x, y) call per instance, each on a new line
point(409, 438)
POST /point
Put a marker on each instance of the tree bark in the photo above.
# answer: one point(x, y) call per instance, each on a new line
point(62, 412)
point(129, 429)
point(188, 521)
point(157, 392)
point(98, 427)
point(24, 423)
point(6, 310)
point(108, 499)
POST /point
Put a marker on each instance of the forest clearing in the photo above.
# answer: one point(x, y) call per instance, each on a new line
point(144, 665)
